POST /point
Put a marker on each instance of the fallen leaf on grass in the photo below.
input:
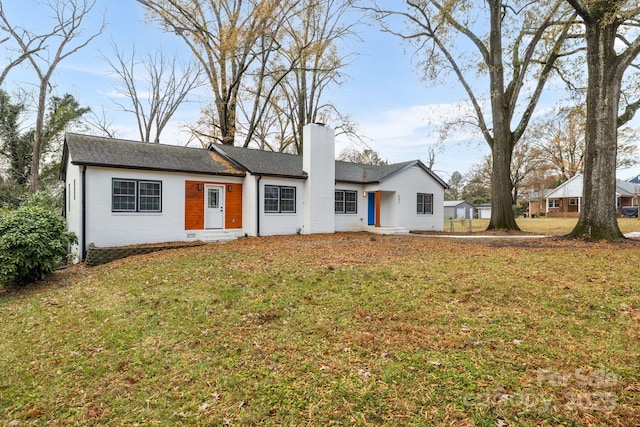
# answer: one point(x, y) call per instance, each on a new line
point(364, 373)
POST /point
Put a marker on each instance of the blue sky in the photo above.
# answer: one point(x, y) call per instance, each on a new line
point(398, 113)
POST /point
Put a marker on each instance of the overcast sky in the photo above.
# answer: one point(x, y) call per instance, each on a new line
point(398, 113)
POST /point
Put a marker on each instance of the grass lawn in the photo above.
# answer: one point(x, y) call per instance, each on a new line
point(544, 226)
point(345, 329)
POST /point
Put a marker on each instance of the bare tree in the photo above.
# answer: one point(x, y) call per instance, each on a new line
point(367, 156)
point(155, 94)
point(314, 36)
point(613, 43)
point(267, 62)
point(61, 41)
point(100, 124)
point(34, 44)
point(233, 41)
point(478, 182)
point(525, 162)
point(456, 184)
point(513, 45)
point(560, 139)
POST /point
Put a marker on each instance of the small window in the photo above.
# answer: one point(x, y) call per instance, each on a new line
point(339, 202)
point(573, 202)
point(425, 203)
point(130, 195)
point(287, 199)
point(346, 202)
point(149, 196)
point(124, 196)
point(279, 199)
point(554, 203)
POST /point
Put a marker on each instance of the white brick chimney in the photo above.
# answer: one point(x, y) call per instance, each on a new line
point(318, 161)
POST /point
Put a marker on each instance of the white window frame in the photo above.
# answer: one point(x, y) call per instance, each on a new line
point(554, 203)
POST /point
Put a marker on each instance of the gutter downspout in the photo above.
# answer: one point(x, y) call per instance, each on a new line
point(258, 205)
point(83, 232)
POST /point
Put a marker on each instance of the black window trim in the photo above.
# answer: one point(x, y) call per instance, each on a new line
point(280, 199)
point(137, 195)
point(344, 210)
point(423, 210)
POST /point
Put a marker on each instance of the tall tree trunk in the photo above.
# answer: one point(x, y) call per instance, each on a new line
point(227, 114)
point(502, 215)
point(38, 136)
point(598, 219)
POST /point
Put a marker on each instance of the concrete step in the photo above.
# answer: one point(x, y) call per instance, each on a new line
point(218, 235)
point(387, 230)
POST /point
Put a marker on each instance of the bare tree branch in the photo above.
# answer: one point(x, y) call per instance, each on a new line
point(155, 95)
point(63, 40)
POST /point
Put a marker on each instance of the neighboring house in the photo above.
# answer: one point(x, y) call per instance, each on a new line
point(538, 203)
point(458, 209)
point(484, 210)
point(120, 192)
point(634, 180)
point(566, 199)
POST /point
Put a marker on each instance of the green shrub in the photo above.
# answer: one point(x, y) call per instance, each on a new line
point(33, 244)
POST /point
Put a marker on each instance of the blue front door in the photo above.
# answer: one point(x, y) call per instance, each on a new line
point(372, 209)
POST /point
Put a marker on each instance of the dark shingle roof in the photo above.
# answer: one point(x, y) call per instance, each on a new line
point(365, 174)
point(261, 162)
point(220, 160)
point(99, 151)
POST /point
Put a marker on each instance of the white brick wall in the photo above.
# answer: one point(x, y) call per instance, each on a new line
point(319, 163)
point(402, 210)
point(107, 228)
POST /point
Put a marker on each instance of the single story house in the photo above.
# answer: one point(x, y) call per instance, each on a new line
point(484, 210)
point(120, 192)
point(566, 199)
point(458, 209)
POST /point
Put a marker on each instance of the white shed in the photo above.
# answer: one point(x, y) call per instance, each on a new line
point(484, 210)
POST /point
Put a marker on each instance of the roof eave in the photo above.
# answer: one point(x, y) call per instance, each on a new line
point(157, 169)
point(347, 181)
point(275, 175)
point(421, 166)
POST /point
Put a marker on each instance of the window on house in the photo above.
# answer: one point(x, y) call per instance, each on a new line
point(554, 203)
point(573, 202)
point(425, 203)
point(346, 202)
point(149, 196)
point(279, 199)
point(130, 195)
